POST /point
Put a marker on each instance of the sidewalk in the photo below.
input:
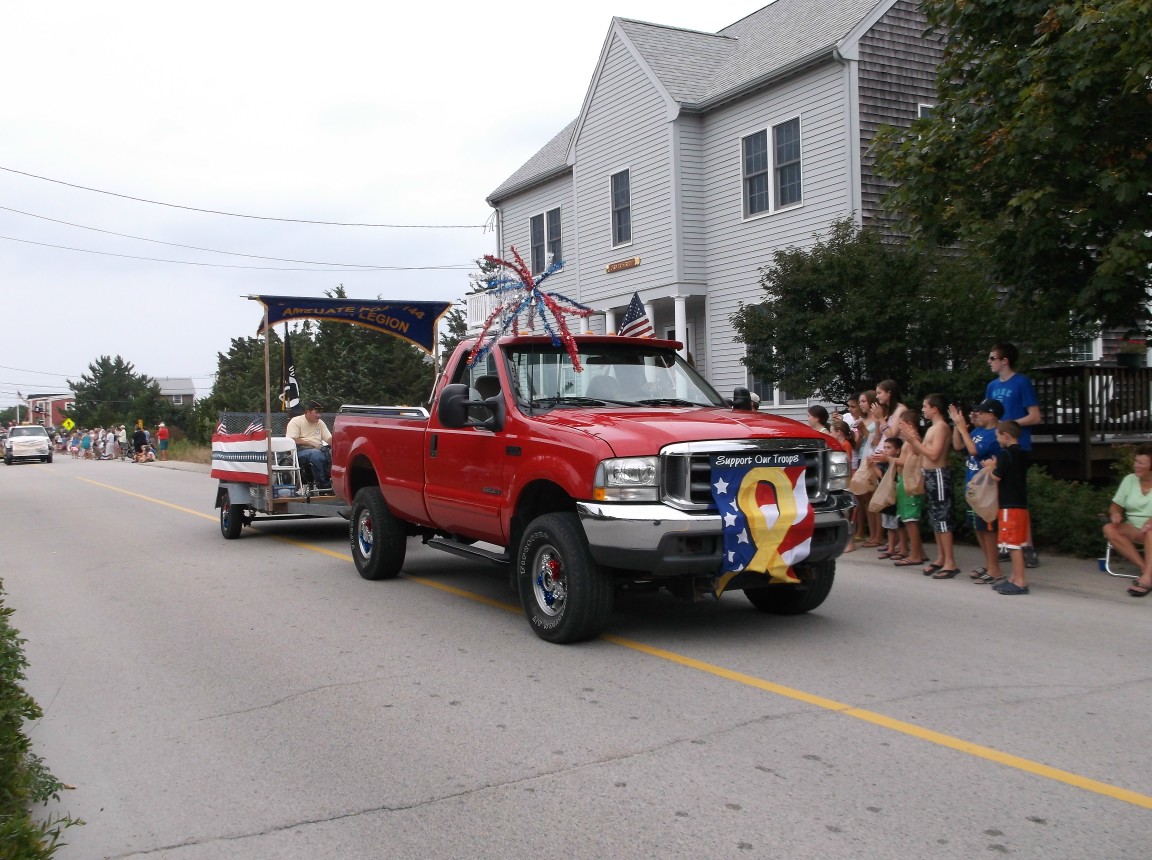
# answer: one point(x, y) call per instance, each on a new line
point(1075, 575)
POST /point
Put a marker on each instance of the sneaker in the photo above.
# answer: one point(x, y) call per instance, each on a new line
point(1031, 557)
point(1005, 555)
point(1010, 587)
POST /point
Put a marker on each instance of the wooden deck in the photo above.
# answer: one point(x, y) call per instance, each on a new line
point(1089, 411)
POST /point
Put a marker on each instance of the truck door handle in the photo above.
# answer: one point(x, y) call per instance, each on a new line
point(432, 443)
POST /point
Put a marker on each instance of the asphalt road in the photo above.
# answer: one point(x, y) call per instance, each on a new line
point(257, 699)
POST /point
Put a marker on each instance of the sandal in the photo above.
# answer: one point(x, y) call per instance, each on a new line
point(979, 574)
point(984, 579)
point(946, 573)
point(909, 562)
point(887, 554)
point(870, 544)
point(932, 568)
point(1143, 592)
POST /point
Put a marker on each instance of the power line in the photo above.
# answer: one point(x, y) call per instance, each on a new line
point(460, 267)
point(190, 247)
point(38, 372)
point(240, 215)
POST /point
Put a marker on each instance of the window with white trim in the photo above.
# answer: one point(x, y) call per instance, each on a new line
point(771, 168)
point(177, 399)
point(544, 232)
point(621, 208)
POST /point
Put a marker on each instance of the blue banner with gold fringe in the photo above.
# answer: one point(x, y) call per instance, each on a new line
point(414, 322)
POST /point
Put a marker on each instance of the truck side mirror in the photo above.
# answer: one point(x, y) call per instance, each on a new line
point(741, 399)
point(453, 407)
point(495, 405)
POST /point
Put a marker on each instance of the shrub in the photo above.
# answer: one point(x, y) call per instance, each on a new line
point(1066, 515)
point(24, 780)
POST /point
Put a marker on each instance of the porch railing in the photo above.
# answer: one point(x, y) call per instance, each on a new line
point(1094, 402)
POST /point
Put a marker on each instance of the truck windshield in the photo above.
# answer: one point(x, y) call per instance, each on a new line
point(628, 374)
point(27, 431)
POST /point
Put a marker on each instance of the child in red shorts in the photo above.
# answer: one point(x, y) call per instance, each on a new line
point(1013, 525)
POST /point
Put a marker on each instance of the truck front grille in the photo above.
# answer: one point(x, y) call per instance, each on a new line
point(686, 468)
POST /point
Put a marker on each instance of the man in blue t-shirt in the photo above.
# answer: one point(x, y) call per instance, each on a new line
point(1013, 390)
point(1018, 397)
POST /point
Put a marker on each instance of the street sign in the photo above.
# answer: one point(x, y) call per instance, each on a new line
point(68, 424)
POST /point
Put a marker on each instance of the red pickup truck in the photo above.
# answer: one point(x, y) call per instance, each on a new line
point(614, 464)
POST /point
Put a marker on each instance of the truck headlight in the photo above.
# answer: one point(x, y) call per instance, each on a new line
point(627, 479)
point(837, 470)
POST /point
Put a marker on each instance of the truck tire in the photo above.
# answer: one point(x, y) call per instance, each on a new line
point(231, 520)
point(566, 595)
point(796, 599)
point(377, 538)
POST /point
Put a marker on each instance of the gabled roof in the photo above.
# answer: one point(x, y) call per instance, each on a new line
point(700, 71)
point(548, 162)
point(170, 385)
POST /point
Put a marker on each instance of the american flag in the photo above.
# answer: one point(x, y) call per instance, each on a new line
point(635, 322)
point(253, 428)
point(220, 428)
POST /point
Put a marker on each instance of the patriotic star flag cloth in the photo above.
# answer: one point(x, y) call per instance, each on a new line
point(241, 456)
point(766, 519)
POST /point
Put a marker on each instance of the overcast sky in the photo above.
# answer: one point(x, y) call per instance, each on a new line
point(359, 112)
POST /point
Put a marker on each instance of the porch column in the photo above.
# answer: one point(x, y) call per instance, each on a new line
point(681, 323)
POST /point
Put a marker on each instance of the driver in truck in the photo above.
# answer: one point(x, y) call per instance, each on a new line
point(313, 438)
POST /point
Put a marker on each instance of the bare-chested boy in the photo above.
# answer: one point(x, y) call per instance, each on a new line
point(937, 483)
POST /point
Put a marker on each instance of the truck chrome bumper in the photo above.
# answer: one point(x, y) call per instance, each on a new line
point(665, 541)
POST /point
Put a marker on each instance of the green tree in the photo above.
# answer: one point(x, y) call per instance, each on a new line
point(113, 393)
point(453, 329)
point(854, 310)
point(350, 364)
point(1039, 151)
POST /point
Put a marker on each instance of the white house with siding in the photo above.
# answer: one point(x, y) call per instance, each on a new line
point(696, 155)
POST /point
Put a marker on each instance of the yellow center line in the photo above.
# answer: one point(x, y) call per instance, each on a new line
point(1007, 759)
point(940, 739)
point(200, 514)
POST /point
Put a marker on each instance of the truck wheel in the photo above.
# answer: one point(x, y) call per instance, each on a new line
point(377, 537)
point(796, 599)
point(48, 459)
point(566, 595)
point(231, 520)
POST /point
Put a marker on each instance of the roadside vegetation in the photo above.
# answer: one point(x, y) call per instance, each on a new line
point(25, 781)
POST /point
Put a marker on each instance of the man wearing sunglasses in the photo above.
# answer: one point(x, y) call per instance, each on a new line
point(1015, 392)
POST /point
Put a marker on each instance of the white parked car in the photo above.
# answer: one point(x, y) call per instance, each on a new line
point(27, 443)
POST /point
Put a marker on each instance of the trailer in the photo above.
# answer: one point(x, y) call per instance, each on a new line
point(256, 463)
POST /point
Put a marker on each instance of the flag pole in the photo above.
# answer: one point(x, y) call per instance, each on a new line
point(268, 408)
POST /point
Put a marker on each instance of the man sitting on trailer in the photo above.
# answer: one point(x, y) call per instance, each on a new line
point(312, 438)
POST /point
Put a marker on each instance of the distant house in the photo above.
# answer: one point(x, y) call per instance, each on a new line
point(697, 155)
point(49, 410)
point(178, 391)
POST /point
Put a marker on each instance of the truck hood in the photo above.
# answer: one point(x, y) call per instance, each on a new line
point(643, 432)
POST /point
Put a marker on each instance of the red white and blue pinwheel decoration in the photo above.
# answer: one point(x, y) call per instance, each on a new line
point(520, 299)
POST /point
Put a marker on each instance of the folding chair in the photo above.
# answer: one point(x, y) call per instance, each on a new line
point(1116, 565)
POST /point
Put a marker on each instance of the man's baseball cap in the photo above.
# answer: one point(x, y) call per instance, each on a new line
point(993, 406)
point(315, 404)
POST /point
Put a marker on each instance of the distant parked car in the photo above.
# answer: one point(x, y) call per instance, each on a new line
point(27, 443)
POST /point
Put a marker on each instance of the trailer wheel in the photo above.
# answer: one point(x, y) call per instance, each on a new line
point(231, 520)
point(378, 539)
point(816, 579)
point(566, 595)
